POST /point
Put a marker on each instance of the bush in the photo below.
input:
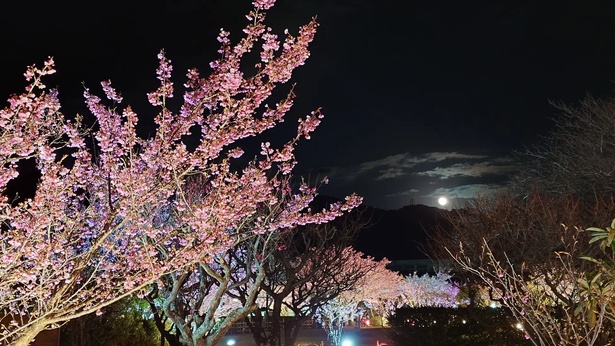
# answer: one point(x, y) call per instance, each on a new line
point(122, 323)
point(462, 326)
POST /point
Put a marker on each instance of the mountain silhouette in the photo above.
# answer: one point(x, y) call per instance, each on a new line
point(399, 234)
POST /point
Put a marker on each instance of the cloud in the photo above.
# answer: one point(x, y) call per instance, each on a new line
point(441, 156)
point(473, 170)
point(467, 191)
point(390, 181)
point(390, 173)
point(395, 166)
point(399, 161)
point(403, 193)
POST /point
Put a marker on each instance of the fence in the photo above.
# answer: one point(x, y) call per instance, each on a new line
point(242, 327)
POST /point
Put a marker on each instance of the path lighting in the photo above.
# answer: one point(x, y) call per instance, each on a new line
point(346, 342)
point(230, 342)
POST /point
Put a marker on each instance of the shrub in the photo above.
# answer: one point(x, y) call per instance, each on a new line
point(122, 323)
point(462, 326)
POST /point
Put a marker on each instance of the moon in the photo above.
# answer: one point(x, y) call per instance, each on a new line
point(442, 201)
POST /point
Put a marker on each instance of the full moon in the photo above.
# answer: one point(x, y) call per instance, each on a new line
point(442, 201)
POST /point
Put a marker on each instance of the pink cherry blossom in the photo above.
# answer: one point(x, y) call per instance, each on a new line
point(107, 223)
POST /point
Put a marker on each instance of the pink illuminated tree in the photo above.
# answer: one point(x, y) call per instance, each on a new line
point(97, 228)
point(381, 290)
point(430, 290)
point(202, 301)
point(375, 286)
point(308, 269)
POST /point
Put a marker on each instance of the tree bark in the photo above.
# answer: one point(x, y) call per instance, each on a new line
point(29, 334)
point(292, 327)
point(274, 336)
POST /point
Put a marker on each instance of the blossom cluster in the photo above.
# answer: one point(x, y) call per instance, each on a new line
point(109, 220)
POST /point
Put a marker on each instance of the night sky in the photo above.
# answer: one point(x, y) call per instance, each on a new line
point(421, 98)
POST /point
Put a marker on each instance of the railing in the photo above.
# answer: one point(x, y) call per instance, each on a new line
point(242, 327)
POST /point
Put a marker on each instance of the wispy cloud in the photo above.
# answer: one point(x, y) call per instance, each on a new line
point(474, 170)
point(390, 173)
point(441, 156)
point(403, 193)
point(465, 192)
point(390, 181)
point(398, 165)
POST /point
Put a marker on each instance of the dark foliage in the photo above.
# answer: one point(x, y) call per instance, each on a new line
point(577, 157)
point(121, 324)
point(427, 326)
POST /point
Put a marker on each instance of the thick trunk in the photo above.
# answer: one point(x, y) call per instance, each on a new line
point(211, 337)
point(29, 334)
point(165, 335)
point(336, 335)
point(257, 327)
point(276, 325)
point(292, 327)
point(199, 342)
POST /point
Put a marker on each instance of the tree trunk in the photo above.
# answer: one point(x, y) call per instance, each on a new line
point(257, 327)
point(165, 335)
point(292, 327)
point(336, 335)
point(29, 334)
point(276, 325)
point(199, 342)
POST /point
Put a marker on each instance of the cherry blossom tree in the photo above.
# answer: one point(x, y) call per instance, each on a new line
point(335, 313)
point(430, 290)
point(320, 296)
point(378, 288)
point(304, 272)
point(383, 291)
point(96, 229)
point(202, 301)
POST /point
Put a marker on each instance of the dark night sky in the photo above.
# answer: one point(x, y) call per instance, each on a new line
point(421, 98)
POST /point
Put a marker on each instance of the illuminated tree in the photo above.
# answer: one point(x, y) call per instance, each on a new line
point(381, 292)
point(335, 313)
point(527, 252)
point(430, 290)
point(202, 303)
point(305, 271)
point(379, 289)
point(97, 228)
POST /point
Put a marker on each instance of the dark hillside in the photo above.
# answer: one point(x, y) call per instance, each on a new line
point(398, 234)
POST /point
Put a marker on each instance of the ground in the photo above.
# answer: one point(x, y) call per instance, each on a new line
point(316, 336)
